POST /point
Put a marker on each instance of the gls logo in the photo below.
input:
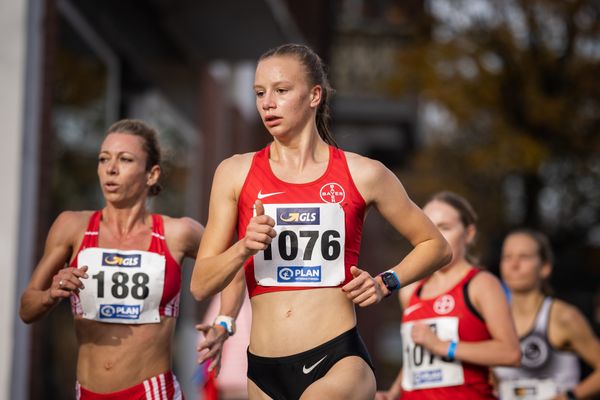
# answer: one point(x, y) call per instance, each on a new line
point(298, 216)
point(119, 311)
point(121, 260)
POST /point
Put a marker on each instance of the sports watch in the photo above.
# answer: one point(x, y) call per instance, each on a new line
point(226, 322)
point(391, 281)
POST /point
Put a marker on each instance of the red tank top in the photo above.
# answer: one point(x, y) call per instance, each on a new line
point(169, 303)
point(334, 186)
point(471, 328)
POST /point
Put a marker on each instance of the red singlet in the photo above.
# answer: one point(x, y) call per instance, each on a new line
point(169, 303)
point(334, 186)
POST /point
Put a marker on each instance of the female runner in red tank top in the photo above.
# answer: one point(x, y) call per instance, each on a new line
point(122, 274)
point(455, 323)
point(298, 248)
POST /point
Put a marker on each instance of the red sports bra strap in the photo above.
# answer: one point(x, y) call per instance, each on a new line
point(158, 225)
point(158, 234)
point(474, 271)
point(90, 237)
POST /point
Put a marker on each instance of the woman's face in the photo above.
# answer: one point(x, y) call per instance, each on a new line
point(285, 99)
point(122, 168)
point(521, 266)
point(447, 219)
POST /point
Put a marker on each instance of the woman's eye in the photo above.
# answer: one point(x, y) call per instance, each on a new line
point(102, 159)
point(282, 91)
point(259, 94)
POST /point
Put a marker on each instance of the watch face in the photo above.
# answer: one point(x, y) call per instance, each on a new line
point(389, 280)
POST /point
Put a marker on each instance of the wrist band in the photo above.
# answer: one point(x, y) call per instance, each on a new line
point(224, 325)
point(452, 350)
point(570, 395)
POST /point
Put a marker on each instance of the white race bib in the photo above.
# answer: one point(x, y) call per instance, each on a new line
point(308, 249)
point(528, 389)
point(124, 286)
point(423, 370)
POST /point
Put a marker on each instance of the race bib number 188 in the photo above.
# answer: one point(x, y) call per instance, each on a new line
point(308, 249)
point(124, 286)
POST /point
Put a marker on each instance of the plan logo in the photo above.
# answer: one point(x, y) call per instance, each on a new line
point(121, 260)
point(298, 216)
point(298, 274)
point(119, 311)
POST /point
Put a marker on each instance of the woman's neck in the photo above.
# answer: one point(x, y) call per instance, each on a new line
point(297, 154)
point(526, 303)
point(123, 221)
point(449, 275)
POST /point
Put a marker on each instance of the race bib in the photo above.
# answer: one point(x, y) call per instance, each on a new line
point(528, 389)
point(423, 370)
point(308, 249)
point(124, 286)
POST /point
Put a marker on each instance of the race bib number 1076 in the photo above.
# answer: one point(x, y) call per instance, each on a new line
point(308, 249)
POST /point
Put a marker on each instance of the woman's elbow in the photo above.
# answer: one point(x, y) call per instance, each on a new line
point(199, 291)
point(25, 316)
point(445, 253)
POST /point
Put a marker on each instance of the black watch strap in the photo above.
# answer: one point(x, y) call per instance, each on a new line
point(570, 395)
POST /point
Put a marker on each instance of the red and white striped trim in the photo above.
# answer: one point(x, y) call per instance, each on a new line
point(159, 387)
point(161, 237)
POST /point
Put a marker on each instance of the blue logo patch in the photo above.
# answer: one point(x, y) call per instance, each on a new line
point(121, 260)
point(423, 377)
point(299, 274)
point(119, 311)
point(298, 216)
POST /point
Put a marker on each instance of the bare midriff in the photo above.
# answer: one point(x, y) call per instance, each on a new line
point(290, 322)
point(113, 357)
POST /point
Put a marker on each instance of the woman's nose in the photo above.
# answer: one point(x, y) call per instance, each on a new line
point(111, 168)
point(267, 102)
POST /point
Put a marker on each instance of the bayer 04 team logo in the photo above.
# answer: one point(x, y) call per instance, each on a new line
point(332, 193)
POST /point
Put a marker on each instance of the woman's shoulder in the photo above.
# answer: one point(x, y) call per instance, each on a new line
point(563, 313)
point(235, 166)
point(484, 277)
point(360, 163)
point(180, 227)
point(70, 225)
point(485, 283)
point(182, 234)
point(367, 172)
point(73, 219)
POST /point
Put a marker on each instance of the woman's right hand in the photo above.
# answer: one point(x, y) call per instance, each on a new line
point(259, 232)
point(66, 281)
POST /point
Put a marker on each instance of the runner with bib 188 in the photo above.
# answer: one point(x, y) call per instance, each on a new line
point(121, 268)
point(456, 323)
point(299, 205)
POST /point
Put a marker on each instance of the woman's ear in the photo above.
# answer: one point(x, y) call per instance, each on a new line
point(546, 270)
point(471, 232)
point(315, 96)
point(153, 175)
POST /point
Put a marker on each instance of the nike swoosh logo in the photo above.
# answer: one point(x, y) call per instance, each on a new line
point(307, 370)
point(412, 308)
point(262, 195)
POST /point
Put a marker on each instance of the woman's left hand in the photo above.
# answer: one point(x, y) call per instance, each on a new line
point(214, 337)
point(423, 335)
point(363, 289)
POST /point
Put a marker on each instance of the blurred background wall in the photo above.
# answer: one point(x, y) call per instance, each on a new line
point(499, 101)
